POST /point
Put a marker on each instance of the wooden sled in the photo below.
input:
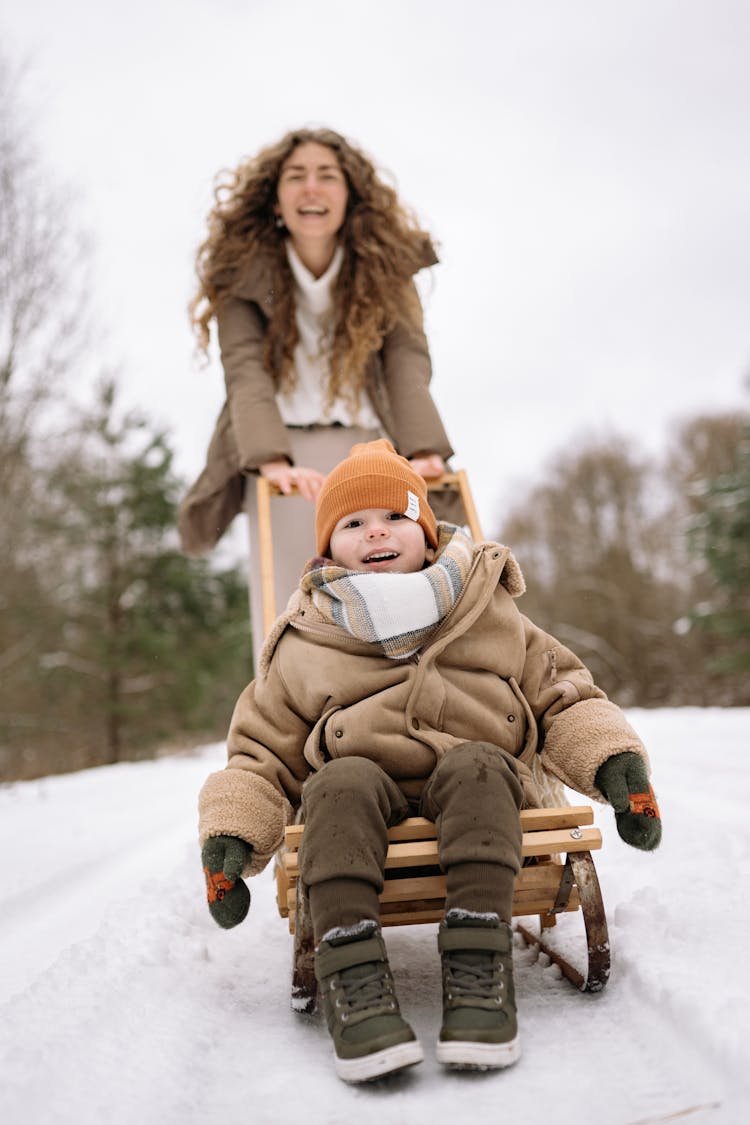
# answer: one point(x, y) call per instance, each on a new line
point(265, 491)
point(558, 875)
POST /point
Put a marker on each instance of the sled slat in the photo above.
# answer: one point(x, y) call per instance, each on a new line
point(415, 888)
point(422, 853)
point(419, 828)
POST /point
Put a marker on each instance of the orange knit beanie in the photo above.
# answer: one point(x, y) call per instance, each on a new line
point(372, 476)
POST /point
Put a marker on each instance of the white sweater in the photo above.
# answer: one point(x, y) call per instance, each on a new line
point(305, 404)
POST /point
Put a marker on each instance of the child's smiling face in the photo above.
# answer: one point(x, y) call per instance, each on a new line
point(379, 541)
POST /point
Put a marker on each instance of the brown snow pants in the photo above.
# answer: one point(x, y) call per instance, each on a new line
point(473, 795)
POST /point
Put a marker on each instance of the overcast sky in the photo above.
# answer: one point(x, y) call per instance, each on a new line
point(584, 166)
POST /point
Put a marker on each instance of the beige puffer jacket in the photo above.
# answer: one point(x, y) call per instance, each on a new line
point(487, 674)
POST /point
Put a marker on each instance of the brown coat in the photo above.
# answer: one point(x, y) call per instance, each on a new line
point(250, 431)
point(488, 674)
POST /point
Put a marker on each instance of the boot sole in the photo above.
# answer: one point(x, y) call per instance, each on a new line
point(463, 1054)
point(369, 1067)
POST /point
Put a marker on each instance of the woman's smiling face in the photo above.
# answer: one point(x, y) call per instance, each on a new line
point(312, 193)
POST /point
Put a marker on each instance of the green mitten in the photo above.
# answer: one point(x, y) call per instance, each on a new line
point(624, 782)
point(223, 858)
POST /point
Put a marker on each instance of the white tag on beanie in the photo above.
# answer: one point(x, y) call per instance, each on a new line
point(412, 505)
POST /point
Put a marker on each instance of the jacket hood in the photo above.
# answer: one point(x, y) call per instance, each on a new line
point(301, 604)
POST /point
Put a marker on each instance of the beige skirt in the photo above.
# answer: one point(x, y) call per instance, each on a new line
point(293, 519)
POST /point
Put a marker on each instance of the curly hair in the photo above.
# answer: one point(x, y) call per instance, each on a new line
point(383, 248)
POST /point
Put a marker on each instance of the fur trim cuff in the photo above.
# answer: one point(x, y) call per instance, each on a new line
point(235, 802)
point(582, 737)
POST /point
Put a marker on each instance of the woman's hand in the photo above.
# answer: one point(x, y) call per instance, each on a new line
point(428, 465)
point(288, 477)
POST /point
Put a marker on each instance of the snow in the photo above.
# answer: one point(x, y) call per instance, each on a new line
point(121, 1001)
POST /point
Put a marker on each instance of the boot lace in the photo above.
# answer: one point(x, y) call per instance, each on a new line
point(475, 979)
point(363, 990)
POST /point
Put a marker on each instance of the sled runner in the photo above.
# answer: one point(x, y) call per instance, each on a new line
point(558, 875)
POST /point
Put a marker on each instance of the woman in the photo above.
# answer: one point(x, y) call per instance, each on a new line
point(308, 272)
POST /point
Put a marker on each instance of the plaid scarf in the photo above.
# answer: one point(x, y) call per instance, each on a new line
point(398, 612)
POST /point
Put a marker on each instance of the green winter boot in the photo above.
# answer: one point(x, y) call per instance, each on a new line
point(370, 1036)
point(479, 1029)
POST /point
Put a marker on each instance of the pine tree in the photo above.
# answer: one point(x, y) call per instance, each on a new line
point(152, 645)
point(721, 536)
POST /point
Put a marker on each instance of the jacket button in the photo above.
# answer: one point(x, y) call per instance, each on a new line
point(415, 723)
point(339, 734)
point(511, 718)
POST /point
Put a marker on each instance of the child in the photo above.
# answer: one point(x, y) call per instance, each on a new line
point(402, 680)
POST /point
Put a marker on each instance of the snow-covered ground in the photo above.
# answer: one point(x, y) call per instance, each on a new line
point(123, 1003)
